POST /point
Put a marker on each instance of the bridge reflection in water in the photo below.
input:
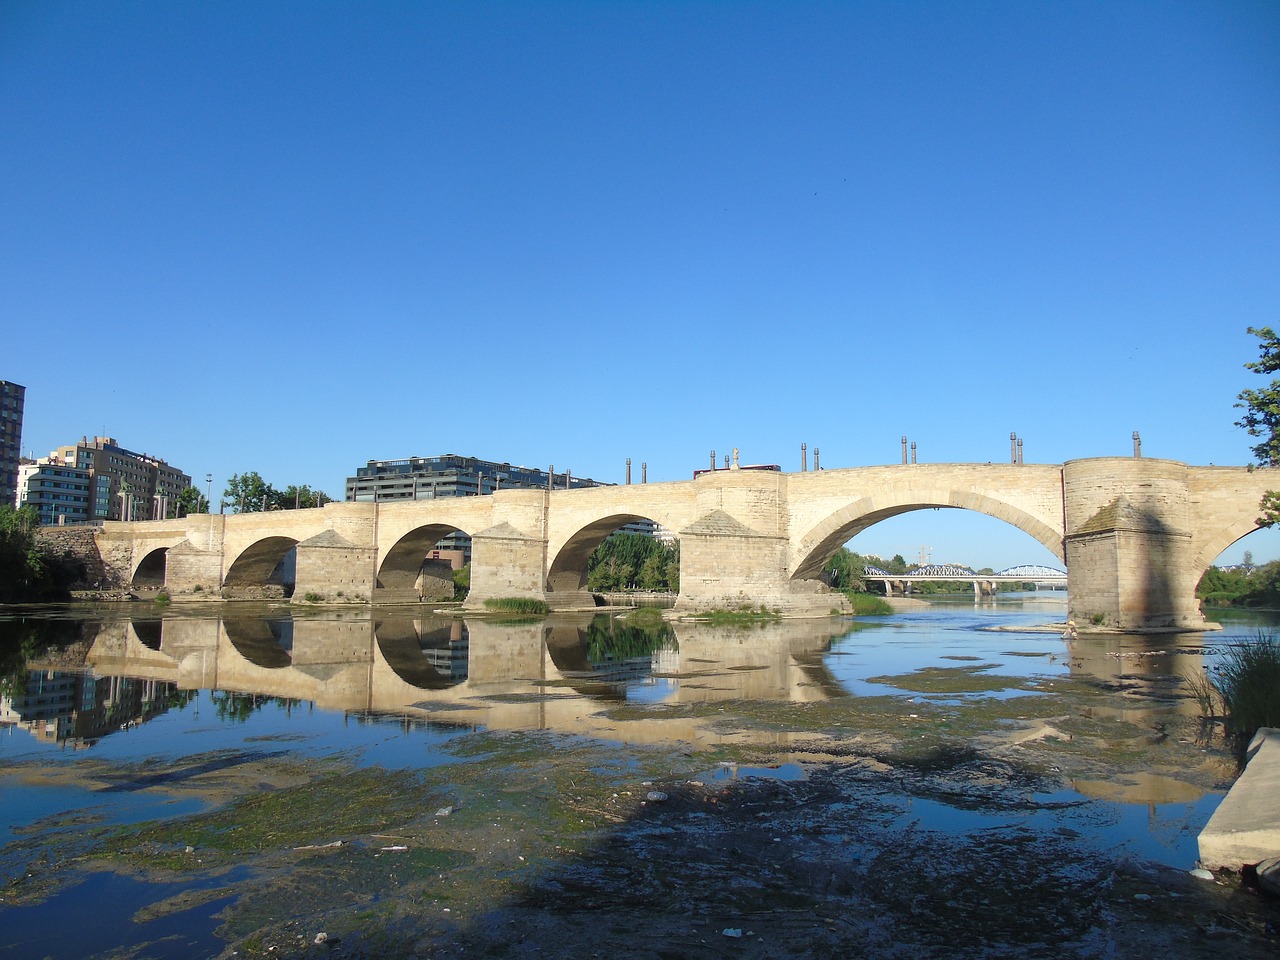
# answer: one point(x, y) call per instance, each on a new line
point(498, 674)
point(561, 674)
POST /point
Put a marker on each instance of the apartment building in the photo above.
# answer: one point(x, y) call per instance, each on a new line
point(12, 400)
point(59, 492)
point(125, 485)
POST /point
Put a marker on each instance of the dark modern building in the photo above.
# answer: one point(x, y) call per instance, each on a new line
point(12, 398)
point(427, 478)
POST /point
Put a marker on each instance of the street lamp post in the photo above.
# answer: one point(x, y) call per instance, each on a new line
point(208, 499)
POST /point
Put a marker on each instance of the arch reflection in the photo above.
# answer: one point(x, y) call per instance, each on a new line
point(430, 654)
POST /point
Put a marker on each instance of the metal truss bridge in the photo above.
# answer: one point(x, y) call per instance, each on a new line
point(984, 584)
point(1023, 573)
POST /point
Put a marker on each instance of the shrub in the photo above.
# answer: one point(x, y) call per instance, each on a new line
point(1248, 682)
point(312, 597)
point(868, 604)
point(525, 605)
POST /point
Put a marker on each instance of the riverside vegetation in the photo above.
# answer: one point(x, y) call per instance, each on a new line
point(1242, 688)
point(28, 572)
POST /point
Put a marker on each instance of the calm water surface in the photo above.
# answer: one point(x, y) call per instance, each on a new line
point(390, 689)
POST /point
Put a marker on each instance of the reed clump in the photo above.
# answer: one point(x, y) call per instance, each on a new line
point(521, 605)
point(1243, 688)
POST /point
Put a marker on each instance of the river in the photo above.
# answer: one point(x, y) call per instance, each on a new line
point(169, 773)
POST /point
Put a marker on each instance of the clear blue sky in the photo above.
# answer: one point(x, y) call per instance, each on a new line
point(293, 237)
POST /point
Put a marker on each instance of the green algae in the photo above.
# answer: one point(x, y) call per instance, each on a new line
point(950, 680)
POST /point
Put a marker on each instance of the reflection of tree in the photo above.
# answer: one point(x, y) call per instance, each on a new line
point(609, 641)
point(21, 641)
point(239, 707)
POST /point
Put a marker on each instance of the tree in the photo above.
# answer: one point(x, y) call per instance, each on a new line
point(192, 501)
point(249, 493)
point(294, 497)
point(27, 571)
point(1262, 417)
point(1262, 407)
point(625, 561)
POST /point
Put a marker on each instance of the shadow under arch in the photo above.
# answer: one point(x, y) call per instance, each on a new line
point(432, 654)
point(150, 572)
point(567, 571)
point(409, 573)
point(821, 542)
point(266, 567)
point(264, 642)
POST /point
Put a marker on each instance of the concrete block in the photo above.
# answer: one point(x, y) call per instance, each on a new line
point(1246, 826)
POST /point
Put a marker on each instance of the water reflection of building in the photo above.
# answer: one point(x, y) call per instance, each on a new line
point(449, 659)
point(76, 709)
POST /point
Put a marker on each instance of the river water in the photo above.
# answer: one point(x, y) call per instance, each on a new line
point(128, 716)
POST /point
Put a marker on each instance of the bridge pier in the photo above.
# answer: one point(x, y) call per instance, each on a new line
point(331, 566)
point(509, 559)
point(735, 554)
point(1129, 549)
point(188, 569)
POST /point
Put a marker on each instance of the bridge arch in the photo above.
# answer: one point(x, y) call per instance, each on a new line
point(567, 569)
point(820, 543)
point(149, 574)
point(266, 565)
point(407, 571)
point(1218, 541)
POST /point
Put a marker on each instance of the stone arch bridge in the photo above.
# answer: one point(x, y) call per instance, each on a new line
point(1135, 535)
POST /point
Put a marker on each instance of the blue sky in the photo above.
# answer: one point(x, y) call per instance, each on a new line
point(293, 237)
